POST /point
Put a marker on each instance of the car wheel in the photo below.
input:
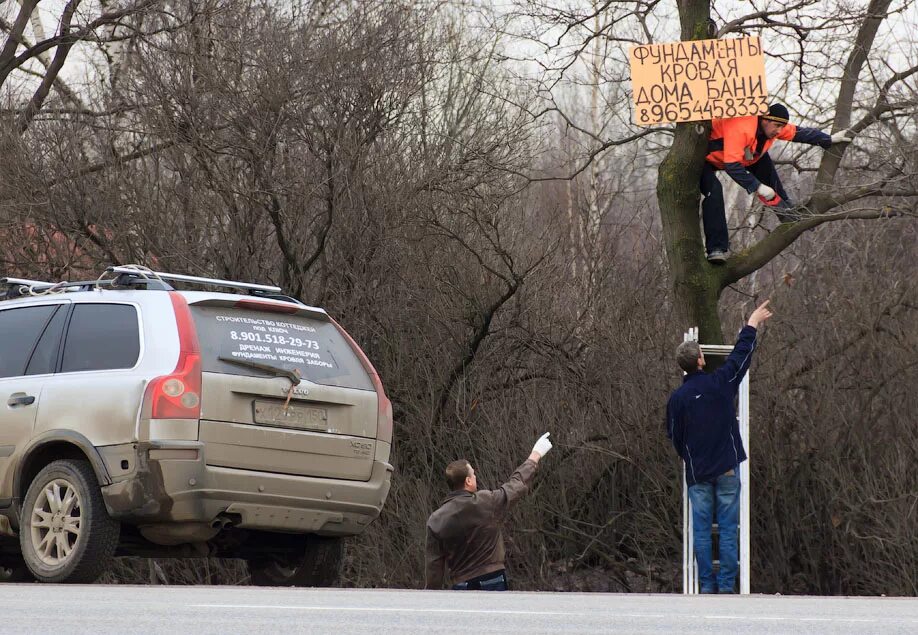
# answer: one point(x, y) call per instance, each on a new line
point(65, 532)
point(319, 565)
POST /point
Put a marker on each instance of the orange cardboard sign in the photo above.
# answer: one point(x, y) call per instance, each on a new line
point(698, 80)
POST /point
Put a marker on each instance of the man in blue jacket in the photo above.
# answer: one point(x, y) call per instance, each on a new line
point(701, 423)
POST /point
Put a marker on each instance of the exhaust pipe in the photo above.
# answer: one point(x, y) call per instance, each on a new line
point(223, 521)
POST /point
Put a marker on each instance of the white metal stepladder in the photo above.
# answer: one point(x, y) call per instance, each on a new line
point(689, 569)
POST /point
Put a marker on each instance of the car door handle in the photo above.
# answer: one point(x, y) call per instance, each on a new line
point(20, 400)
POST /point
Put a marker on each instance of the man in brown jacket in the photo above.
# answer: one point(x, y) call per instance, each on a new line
point(464, 534)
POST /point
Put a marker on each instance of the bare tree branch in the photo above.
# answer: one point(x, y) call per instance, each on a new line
point(757, 256)
point(57, 63)
point(15, 36)
point(65, 37)
point(767, 17)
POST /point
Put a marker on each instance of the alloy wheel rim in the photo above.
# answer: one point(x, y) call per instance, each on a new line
point(55, 522)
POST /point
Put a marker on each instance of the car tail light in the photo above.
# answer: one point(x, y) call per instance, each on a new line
point(260, 305)
point(178, 396)
point(384, 406)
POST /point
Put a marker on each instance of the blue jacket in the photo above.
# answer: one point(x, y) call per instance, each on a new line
point(701, 418)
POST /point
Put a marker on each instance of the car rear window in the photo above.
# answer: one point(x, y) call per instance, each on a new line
point(101, 337)
point(290, 342)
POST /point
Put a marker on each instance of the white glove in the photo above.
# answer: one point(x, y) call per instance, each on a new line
point(766, 192)
point(543, 445)
point(843, 136)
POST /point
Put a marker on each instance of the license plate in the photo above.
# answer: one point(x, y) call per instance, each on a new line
point(294, 416)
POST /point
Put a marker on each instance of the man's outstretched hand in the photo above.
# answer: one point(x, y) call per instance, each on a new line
point(541, 447)
point(843, 136)
point(758, 316)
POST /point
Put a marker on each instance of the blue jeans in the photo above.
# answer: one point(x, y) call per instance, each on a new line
point(724, 496)
point(713, 214)
point(496, 581)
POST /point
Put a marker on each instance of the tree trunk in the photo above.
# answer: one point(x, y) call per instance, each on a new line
point(696, 283)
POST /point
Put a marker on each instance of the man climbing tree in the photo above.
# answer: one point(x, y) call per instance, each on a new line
point(698, 285)
point(739, 146)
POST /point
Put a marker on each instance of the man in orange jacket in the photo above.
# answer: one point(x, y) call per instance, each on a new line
point(739, 146)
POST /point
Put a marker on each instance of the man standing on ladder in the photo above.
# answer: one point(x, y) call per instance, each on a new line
point(701, 423)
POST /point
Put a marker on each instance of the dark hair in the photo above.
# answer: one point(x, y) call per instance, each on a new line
point(456, 473)
point(687, 354)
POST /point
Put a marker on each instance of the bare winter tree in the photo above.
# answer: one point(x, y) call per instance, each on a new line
point(478, 210)
point(873, 92)
point(868, 89)
point(32, 62)
point(838, 194)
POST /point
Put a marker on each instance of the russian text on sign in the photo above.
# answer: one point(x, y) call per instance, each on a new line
point(691, 81)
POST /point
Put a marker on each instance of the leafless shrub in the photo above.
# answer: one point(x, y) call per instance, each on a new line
point(379, 159)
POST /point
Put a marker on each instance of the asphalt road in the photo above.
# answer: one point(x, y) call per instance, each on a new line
point(97, 609)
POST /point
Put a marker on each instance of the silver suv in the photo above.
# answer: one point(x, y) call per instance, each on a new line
point(141, 420)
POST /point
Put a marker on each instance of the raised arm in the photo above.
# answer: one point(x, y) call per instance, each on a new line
point(731, 373)
point(814, 137)
point(516, 487)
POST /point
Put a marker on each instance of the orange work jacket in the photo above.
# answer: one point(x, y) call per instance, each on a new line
point(734, 141)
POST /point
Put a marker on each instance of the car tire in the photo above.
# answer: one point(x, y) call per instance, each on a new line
point(65, 532)
point(318, 566)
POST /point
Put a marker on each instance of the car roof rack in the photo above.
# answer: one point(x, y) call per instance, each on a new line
point(133, 276)
point(177, 277)
point(20, 286)
point(23, 282)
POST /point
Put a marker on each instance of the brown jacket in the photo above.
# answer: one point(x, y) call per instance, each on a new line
point(464, 534)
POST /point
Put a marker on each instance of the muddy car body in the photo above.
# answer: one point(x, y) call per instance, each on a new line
point(149, 421)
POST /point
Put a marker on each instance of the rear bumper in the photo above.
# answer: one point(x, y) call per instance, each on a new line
point(148, 489)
